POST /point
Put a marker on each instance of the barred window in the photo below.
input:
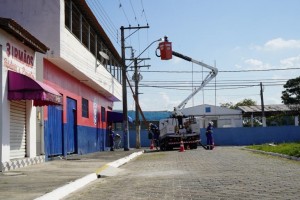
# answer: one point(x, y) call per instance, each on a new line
point(85, 108)
point(102, 114)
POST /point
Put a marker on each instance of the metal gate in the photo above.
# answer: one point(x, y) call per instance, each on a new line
point(17, 129)
point(71, 126)
point(55, 131)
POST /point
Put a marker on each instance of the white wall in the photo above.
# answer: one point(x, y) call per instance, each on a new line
point(5, 103)
point(39, 17)
point(78, 56)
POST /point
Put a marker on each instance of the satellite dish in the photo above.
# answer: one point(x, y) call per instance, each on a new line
point(104, 55)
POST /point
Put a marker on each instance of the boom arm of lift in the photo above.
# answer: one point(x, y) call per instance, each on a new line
point(212, 74)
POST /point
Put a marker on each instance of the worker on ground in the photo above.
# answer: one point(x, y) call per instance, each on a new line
point(117, 141)
point(209, 136)
point(111, 136)
point(155, 134)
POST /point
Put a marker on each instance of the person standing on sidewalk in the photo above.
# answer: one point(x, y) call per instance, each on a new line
point(111, 135)
point(117, 140)
point(209, 136)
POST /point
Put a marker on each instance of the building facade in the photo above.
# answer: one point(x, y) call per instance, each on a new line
point(221, 116)
point(81, 64)
point(20, 94)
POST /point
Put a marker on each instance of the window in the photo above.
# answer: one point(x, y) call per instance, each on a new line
point(85, 33)
point(85, 108)
point(102, 114)
point(75, 22)
point(67, 14)
point(207, 109)
point(92, 42)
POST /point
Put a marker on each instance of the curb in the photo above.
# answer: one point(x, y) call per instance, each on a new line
point(274, 154)
point(108, 169)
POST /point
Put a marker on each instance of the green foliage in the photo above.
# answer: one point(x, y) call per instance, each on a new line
point(291, 94)
point(245, 102)
point(291, 149)
point(227, 105)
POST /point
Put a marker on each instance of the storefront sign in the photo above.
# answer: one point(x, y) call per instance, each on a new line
point(19, 60)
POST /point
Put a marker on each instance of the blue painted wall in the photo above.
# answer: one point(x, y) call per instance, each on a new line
point(255, 135)
point(90, 139)
point(239, 136)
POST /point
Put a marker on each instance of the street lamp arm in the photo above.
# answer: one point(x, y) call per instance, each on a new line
point(146, 49)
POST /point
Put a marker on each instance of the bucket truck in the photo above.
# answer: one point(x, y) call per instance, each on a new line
point(178, 127)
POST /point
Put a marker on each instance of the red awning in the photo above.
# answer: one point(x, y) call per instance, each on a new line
point(21, 87)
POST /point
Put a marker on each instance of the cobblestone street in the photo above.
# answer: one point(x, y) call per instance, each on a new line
point(224, 173)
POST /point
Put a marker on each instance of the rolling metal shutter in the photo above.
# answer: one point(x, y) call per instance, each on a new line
point(17, 129)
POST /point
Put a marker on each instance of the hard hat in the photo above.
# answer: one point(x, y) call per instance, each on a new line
point(211, 123)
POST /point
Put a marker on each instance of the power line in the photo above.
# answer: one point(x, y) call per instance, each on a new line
point(224, 71)
point(144, 12)
point(120, 6)
point(136, 19)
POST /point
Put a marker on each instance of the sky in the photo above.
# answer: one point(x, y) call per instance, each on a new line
point(248, 41)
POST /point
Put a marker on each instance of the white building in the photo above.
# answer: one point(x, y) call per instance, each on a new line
point(221, 116)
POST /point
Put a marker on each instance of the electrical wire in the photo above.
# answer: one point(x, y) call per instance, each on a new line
point(222, 71)
point(144, 12)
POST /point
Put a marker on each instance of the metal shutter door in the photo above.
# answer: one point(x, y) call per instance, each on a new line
point(17, 129)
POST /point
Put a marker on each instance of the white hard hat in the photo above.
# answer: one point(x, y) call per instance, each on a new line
point(211, 123)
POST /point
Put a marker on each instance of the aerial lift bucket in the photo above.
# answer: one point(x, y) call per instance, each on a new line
point(165, 48)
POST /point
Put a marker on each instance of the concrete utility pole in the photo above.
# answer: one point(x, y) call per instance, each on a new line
point(137, 77)
point(124, 91)
point(262, 105)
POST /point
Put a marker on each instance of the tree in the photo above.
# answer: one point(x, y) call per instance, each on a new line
point(291, 94)
point(245, 102)
point(227, 105)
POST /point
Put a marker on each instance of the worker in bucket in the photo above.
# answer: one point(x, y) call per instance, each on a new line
point(209, 136)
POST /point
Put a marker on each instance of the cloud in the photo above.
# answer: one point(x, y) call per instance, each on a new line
point(291, 62)
point(162, 101)
point(256, 64)
point(279, 44)
point(176, 60)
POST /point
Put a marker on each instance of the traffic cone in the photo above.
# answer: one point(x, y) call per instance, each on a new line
point(181, 147)
point(152, 145)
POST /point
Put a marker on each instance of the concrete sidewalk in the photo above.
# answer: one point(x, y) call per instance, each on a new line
point(58, 178)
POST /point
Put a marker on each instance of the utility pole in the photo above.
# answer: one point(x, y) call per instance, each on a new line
point(262, 105)
point(124, 90)
point(137, 77)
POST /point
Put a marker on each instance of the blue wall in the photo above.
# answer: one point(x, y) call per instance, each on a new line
point(239, 136)
point(90, 139)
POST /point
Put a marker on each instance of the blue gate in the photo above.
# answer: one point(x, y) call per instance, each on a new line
point(71, 126)
point(54, 131)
